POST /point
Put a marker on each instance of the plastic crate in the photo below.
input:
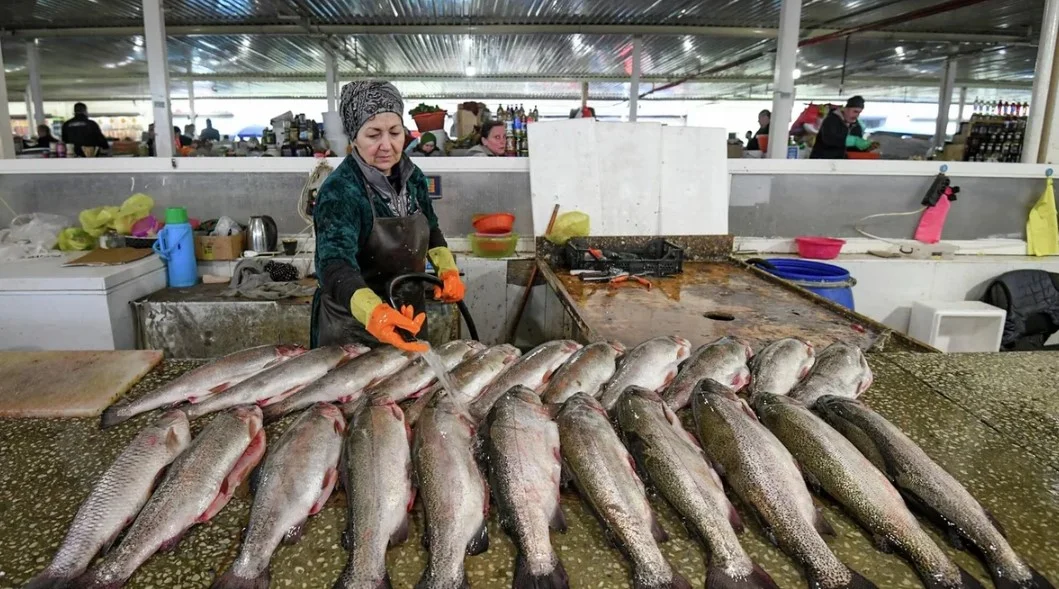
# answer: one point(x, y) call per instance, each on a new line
point(958, 326)
point(658, 257)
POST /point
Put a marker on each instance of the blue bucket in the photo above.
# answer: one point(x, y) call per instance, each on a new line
point(826, 280)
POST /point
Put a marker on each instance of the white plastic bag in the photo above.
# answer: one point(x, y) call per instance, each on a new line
point(36, 228)
point(227, 226)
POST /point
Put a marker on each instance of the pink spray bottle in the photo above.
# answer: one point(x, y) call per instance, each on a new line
point(938, 200)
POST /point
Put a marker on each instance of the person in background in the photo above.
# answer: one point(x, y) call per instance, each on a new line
point(427, 146)
point(209, 133)
point(189, 130)
point(374, 221)
point(148, 138)
point(44, 136)
point(492, 140)
point(83, 131)
point(856, 141)
point(180, 139)
point(763, 119)
point(832, 141)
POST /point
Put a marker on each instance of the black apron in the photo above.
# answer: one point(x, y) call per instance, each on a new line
point(395, 246)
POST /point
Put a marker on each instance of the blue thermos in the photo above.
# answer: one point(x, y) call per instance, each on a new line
point(176, 245)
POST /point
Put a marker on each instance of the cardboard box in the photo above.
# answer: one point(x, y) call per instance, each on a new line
point(952, 153)
point(735, 151)
point(209, 247)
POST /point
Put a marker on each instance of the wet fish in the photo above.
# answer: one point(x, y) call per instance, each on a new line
point(835, 464)
point(585, 372)
point(414, 379)
point(377, 475)
point(279, 382)
point(198, 384)
point(454, 495)
point(603, 472)
point(651, 365)
point(780, 365)
point(764, 475)
point(292, 484)
point(197, 486)
point(345, 383)
point(531, 371)
point(522, 447)
point(723, 360)
point(677, 468)
point(927, 486)
point(470, 377)
point(840, 369)
point(116, 498)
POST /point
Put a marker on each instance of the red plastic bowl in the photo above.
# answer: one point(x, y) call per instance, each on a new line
point(819, 248)
point(493, 223)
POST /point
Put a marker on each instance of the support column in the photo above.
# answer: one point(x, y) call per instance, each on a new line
point(948, 82)
point(29, 109)
point(332, 82)
point(1042, 80)
point(634, 82)
point(584, 94)
point(333, 131)
point(783, 80)
point(963, 105)
point(158, 75)
point(33, 65)
point(7, 141)
point(191, 104)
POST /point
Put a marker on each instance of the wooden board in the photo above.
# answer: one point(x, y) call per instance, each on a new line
point(69, 384)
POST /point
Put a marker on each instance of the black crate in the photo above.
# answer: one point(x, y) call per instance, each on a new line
point(659, 257)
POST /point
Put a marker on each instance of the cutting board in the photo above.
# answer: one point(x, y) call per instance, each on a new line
point(69, 384)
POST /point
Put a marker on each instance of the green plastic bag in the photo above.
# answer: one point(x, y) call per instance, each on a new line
point(568, 226)
point(73, 239)
point(134, 208)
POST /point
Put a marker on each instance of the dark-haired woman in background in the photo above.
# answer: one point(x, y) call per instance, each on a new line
point(492, 140)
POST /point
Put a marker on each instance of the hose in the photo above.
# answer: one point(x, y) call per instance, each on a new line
point(431, 279)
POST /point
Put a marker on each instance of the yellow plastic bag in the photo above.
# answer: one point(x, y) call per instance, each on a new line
point(134, 208)
point(568, 226)
point(74, 239)
point(95, 222)
point(1042, 227)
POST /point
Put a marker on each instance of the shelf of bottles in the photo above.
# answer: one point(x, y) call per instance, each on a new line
point(515, 121)
point(995, 131)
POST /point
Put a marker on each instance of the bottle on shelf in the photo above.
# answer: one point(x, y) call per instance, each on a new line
point(536, 116)
point(511, 146)
point(500, 113)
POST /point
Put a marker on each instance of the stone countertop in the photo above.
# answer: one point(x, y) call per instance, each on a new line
point(47, 468)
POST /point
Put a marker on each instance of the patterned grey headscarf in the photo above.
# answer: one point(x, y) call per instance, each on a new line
point(364, 99)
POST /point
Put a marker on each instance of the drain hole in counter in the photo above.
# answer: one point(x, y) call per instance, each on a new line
point(719, 316)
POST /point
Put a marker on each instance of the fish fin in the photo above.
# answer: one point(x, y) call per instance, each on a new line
point(822, 525)
point(675, 582)
point(967, 581)
point(292, 535)
point(253, 454)
point(558, 521)
point(400, 535)
point(171, 544)
point(657, 531)
point(767, 530)
point(882, 544)
point(47, 580)
point(425, 540)
point(230, 580)
point(328, 485)
point(254, 480)
point(112, 416)
point(427, 581)
point(480, 542)
point(857, 581)
point(1038, 582)
point(524, 579)
point(735, 519)
point(951, 532)
point(811, 480)
point(224, 386)
point(996, 524)
point(718, 578)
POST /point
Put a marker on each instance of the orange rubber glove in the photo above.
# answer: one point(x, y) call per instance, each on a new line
point(385, 321)
point(453, 289)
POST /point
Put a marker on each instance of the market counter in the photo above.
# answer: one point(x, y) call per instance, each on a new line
point(48, 466)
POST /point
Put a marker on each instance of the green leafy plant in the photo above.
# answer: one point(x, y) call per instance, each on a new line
point(423, 109)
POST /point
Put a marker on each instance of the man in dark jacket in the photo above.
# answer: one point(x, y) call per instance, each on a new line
point(763, 119)
point(831, 141)
point(209, 133)
point(83, 132)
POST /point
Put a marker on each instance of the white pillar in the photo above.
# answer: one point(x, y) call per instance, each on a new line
point(584, 94)
point(963, 105)
point(634, 81)
point(33, 65)
point(1041, 82)
point(783, 79)
point(191, 104)
point(158, 76)
point(948, 82)
point(7, 141)
point(29, 109)
point(332, 82)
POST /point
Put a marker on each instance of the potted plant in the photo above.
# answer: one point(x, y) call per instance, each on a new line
point(428, 118)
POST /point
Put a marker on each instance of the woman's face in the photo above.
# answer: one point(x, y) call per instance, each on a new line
point(380, 140)
point(496, 140)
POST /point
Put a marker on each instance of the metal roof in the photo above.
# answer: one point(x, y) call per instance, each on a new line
point(543, 47)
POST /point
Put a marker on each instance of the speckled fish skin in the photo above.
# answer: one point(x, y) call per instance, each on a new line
point(198, 484)
point(470, 377)
point(930, 486)
point(585, 372)
point(345, 383)
point(651, 365)
point(676, 467)
point(377, 475)
point(602, 470)
point(846, 475)
point(415, 378)
point(116, 498)
point(532, 370)
point(723, 360)
point(524, 472)
point(780, 365)
point(454, 495)
point(279, 381)
point(765, 477)
point(203, 381)
point(840, 369)
point(295, 481)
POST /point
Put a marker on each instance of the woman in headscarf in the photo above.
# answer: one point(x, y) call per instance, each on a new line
point(374, 221)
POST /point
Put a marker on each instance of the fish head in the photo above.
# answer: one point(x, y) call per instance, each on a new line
point(767, 402)
point(174, 428)
point(474, 348)
point(522, 394)
point(333, 413)
point(740, 378)
point(683, 346)
point(509, 353)
point(581, 402)
point(569, 346)
point(251, 416)
point(290, 350)
point(618, 347)
point(636, 403)
point(350, 351)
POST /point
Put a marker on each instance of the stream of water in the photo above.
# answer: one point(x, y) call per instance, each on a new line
point(437, 366)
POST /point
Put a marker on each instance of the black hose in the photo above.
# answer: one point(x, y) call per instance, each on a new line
point(431, 279)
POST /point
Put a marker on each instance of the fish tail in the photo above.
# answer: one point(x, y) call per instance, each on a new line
point(718, 578)
point(91, 580)
point(112, 416)
point(431, 581)
point(47, 580)
point(856, 582)
point(230, 580)
point(1036, 582)
point(525, 579)
point(675, 582)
